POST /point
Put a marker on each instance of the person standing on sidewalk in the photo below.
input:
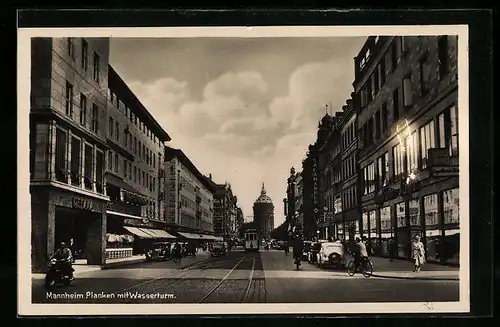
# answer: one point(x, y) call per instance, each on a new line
point(418, 253)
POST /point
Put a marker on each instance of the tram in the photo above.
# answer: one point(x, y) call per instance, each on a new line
point(252, 240)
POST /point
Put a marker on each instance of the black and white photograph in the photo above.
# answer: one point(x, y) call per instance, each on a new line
point(243, 170)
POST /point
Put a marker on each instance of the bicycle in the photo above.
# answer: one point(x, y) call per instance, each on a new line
point(366, 267)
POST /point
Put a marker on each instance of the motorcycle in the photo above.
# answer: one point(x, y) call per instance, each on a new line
point(56, 275)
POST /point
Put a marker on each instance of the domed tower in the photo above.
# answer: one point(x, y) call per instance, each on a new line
point(263, 213)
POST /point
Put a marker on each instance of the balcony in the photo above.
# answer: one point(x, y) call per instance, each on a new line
point(125, 208)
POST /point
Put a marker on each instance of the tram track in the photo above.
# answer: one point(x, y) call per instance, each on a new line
point(225, 278)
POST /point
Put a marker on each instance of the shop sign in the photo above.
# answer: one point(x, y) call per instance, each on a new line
point(439, 157)
point(445, 171)
point(79, 203)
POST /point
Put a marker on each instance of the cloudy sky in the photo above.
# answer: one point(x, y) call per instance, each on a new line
point(242, 109)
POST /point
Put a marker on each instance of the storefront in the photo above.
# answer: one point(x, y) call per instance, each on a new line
point(386, 231)
point(60, 214)
point(451, 226)
point(432, 227)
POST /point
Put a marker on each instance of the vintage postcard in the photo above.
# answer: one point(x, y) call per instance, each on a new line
point(243, 170)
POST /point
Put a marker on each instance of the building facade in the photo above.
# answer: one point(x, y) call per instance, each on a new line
point(330, 163)
point(135, 156)
point(310, 184)
point(263, 214)
point(299, 200)
point(68, 146)
point(290, 202)
point(407, 115)
point(347, 213)
point(189, 196)
point(225, 210)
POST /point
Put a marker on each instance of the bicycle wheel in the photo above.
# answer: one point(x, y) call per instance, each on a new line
point(367, 268)
point(351, 268)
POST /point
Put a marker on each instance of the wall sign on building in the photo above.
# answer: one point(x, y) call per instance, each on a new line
point(79, 203)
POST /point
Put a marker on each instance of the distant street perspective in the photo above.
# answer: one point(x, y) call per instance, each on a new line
point(268, 276)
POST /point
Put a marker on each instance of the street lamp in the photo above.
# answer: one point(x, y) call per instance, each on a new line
point(410, 178)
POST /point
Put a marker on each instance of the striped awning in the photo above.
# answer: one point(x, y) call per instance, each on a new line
point(159, 233)
point(139, 232)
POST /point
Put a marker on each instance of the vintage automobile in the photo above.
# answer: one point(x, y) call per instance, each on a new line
point(159, 251)
point(217, 249)
point(307, 248)
point(332, 254)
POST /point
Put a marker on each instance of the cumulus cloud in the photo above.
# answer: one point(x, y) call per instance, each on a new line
point(240, 132)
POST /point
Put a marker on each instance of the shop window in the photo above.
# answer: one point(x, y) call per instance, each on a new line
point(414, 208)
point(385, 219)
point(401, 214)
point(451, 200)
point(365, 223)
point(432, 231)
point(61, 160)
point(427, 142)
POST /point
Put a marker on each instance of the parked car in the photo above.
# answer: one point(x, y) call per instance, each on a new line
point(307, 249)
point(159, 251)
point(331, 253)
point(313, 252)
point(217, 249)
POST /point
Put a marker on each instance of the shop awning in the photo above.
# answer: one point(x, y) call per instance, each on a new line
point(138, 232)
point(159, 233)
point(191, 236)
point(208, 237)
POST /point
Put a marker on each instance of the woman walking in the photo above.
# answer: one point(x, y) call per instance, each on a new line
point(418, 254)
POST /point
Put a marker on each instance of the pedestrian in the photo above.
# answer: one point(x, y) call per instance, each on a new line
point(418, 253)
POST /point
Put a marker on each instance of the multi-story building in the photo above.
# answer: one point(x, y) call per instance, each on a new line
point(289, 202)
point(189, 197)
point(68, 146)
point(299, 199)
point(347, 214)
point(310, 182)
point(136, 144)
point(240, 220)
point(406, 107)
point(330, 163)
point(225, 204)
point(263, 214)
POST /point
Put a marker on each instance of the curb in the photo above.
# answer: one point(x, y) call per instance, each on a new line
point(444, 278)
point(124, 263)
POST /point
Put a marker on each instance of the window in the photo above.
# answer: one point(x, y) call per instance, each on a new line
point(394, 56)
point(385, 219)
point(135, 174)
point(395, 105)
point(404, 44)
point(71, 48)
point(414, 212)
point(424, 71)
point(454, 130)
point(135, 145)
point(154, 160)
point(69, 99)
point(125, 168)
point(96, 67)
point(83, 109)
point(407, 92)
point(117, 125)
point(381, 173)
point(85, 50)
point(370, 131)
point(431, 211)
point(111, 126)
point(116, 164)
point(95, 118)
point(130, 170)
point(382, 72)
point(376, 81)
point(369, 178)
point(99, 165)
point(401, 214)
point(451, 206)
point(448, 130)
point(140, 149)
point(412, 152)
point(365, 222)
point(143, 178)
point(89, 162)
point(385, 117)
point(110, 160)
point(76, 152)
point(125, 138)
point(60, 163)
point(377, 124)
point(398, 160)
point(443, 56)
point(426, 141)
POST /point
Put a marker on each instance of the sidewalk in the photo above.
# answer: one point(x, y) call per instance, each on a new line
point(124, 262)
point(402, 269)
